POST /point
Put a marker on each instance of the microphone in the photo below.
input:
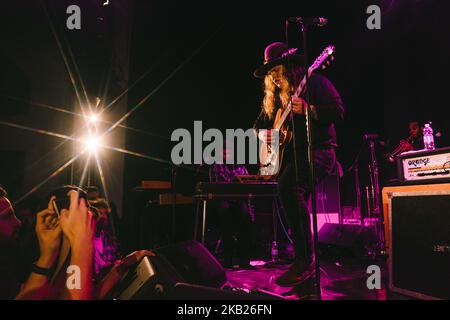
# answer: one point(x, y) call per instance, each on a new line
point(374, 137)
point(318, 21)
point(370, 136)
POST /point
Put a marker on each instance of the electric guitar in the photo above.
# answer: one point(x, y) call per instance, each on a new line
point(270, 158)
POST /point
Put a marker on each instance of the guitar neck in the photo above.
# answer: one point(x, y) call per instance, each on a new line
point(288, 109)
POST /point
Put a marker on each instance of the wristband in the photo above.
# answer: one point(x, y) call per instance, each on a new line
point(42, 271)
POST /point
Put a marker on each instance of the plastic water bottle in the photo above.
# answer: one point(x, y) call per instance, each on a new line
point(274, 251)
point(428, 137)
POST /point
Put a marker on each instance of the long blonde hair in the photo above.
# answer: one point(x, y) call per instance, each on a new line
point(289, 81)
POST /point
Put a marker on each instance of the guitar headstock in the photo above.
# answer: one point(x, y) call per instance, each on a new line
point(324, 60)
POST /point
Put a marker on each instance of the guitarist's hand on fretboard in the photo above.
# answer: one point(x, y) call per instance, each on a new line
point(299, 105)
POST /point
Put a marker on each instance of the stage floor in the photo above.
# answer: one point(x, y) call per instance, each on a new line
point(339, 281)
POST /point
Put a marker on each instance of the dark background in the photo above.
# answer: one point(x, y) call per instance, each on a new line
point(197, 60)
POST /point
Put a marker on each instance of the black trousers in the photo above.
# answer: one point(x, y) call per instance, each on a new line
point(295, 200)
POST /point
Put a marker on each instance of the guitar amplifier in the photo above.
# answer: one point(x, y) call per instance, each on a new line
point(424, 166)
point(417, 221)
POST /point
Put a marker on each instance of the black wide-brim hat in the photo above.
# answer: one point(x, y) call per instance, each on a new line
point(275, 54)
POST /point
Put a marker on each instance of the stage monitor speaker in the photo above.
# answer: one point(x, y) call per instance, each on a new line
point(419, 240)
point(194, 263)
point(345, 240)
point(154, 278)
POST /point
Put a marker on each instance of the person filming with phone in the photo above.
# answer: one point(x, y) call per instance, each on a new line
point(64, 270)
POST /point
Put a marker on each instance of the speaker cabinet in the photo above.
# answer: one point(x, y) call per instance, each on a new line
point(185, 271)
point(418, 240)
point(346, 240)
point(328, 194)
point(194, 263)
point(152, 278)
point(328, 199)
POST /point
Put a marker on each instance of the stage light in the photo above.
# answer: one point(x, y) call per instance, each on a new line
point(92, 143)
point(93, 118)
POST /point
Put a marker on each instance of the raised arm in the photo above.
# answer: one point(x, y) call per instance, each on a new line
point(78, 225)
point(48, 232)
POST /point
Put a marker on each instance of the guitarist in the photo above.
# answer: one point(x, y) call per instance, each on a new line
point(281, 79)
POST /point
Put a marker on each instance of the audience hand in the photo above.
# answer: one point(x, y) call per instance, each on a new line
point(78, 225)
point(78, 222)
point(48, 232)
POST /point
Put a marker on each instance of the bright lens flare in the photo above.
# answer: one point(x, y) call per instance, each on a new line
point(92, 143)
point(93, 118)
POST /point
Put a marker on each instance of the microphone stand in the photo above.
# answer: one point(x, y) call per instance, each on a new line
point(374, 206)
point(312, 176)
point(375, 185)
point(355, 168)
